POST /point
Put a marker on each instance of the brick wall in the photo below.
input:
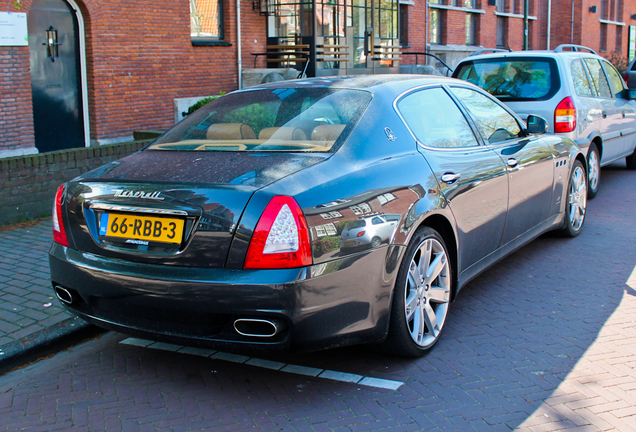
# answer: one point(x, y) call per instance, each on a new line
point(139, 58)
point(16, 117)
point(29, 182)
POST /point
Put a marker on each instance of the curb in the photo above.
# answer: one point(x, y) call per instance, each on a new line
point(44, 342)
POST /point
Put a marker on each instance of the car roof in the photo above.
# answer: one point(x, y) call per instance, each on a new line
point(370, 83)
point(529, 53)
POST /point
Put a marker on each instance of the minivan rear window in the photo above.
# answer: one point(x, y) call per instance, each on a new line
point(513, 79)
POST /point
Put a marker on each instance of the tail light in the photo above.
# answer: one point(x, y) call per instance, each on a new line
point(281, 237)
point(565, 116)
point(59, 234)
point(360, 234)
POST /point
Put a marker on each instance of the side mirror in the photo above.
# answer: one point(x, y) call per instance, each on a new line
point(630, 94)
point(536, 124)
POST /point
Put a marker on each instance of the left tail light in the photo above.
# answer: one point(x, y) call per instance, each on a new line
point(59, 233)
point(281, 237)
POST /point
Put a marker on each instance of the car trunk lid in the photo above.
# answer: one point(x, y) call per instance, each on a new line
point(175, 208)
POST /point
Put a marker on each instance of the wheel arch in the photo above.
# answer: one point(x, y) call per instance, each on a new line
point(443, 226)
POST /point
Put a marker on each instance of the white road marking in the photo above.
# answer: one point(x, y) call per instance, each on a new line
point(269, 364)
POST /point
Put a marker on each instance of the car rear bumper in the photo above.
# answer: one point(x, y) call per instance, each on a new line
point(342, 302)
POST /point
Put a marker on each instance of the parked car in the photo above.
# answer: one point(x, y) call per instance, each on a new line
point(581, 94)
point(369, 232)
point(209, 235)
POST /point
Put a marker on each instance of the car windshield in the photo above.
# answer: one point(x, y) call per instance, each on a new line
point(513, 78)
point(281, 119)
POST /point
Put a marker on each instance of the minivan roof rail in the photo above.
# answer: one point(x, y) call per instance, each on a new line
point(483, 50)
point(574, 48)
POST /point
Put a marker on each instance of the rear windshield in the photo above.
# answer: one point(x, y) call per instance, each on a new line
point(513, 79)
point(287, 119)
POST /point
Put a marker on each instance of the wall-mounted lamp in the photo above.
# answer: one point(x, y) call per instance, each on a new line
point(593, 9)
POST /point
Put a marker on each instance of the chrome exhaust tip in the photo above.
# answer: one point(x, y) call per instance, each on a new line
point(64, 295)
point(256, 327)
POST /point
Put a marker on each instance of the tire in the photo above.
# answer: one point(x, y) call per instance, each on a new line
point(420, 303)
point(375, 242)
point(630, 161)
point(576, 201)
point(593, 171)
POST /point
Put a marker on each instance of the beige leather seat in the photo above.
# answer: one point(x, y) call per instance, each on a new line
point(327, 132)
point(230, 131)
point(282, 133)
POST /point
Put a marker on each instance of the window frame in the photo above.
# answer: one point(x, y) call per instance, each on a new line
point(211, 40)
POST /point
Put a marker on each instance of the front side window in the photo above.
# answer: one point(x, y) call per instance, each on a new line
point(615, 80)
point(206, 19)
point(495, 123)
point(435, 119)
point(284, 119)
point(598, 78)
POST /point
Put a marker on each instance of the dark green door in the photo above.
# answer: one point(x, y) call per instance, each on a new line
point(55, 76)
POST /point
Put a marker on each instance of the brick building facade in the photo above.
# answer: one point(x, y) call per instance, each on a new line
point(136, 58)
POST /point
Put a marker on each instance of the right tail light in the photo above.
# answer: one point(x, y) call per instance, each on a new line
point(565, 116)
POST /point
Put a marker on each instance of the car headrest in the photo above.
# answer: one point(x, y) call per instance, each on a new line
point(230, 131)
point(282, 133)
point(327, 132)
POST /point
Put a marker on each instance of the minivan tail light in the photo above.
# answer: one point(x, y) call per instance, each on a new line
point(59, 233)
point(281, 237)
point(565, 116)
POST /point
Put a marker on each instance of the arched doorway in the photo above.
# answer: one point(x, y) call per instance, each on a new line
point(56, 75)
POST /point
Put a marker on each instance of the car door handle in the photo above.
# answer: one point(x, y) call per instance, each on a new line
point(450, 178)
point(512, 162)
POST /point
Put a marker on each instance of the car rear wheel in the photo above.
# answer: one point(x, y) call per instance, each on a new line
point(631, 161)
point(375, 242)
point(422, 295)
point(593, 171)
point(576, 202)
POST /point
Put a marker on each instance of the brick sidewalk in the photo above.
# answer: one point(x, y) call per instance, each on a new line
point(30, 314)
point(543, 341)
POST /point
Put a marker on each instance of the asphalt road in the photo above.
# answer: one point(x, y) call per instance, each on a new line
point(544, 340)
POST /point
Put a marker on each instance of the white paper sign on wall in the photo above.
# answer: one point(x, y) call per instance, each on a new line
point(13, 29)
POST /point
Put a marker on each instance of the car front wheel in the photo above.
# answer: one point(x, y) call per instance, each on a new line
point(631, 161)
point(422, 296)
point(593, 171)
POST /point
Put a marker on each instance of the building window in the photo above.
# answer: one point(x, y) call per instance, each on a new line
point(612, 10)
point(471, 31)
point(501, 6)
point(501, 32)
point(619, 38)
point(206, 20)
point(404, 24)
point(436, 26)
point(603, 46)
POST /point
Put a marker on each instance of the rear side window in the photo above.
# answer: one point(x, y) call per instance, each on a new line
point(598, 77)
point(513, 79)
point(435, 119)
point(579, 79)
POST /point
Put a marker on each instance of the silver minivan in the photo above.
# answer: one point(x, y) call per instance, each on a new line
point(579, 93)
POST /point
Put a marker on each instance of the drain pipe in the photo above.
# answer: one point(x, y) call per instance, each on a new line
point(572, 25)
point(549, 22)
point(239, 62)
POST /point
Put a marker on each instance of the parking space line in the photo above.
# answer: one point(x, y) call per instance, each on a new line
point(269, 364)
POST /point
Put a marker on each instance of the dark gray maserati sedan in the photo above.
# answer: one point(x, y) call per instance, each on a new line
point(226, 232)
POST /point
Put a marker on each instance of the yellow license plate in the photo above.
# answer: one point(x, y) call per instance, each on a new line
point(144, 228)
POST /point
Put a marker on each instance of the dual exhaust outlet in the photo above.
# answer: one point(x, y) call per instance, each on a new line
point(252, 327)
